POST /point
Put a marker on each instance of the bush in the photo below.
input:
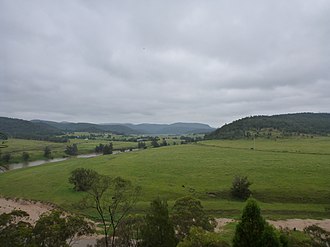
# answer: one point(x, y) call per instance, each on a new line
point(129, 231)
point(142, 145)
point(188, 212)
point(51, 229)
point(154, 143)
point(6, 158)
point(158, 229)
point(107, 149)
point(200, 238)
point(269, 237)
point(82, 178)
point(47, 152)
point(249, 230)
point(99, 148)
point(253, 230)
point(71, 150)
point(25, 156)
point(57, 229)
point(240, 188)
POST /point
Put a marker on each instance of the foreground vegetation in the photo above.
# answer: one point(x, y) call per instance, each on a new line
point(186, 226)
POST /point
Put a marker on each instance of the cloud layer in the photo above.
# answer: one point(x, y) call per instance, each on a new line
point(163, 61)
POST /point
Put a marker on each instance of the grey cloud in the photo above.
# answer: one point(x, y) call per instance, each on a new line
point(152, 61)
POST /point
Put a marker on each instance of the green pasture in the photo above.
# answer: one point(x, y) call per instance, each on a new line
point(286, 183)
point(307, 145)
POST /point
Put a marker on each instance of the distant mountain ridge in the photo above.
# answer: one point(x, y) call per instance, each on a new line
point(43, 129)
point(175, 128)
point(288, 124)
point(129, 129)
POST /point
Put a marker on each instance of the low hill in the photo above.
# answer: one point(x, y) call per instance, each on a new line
point(175, 128)
point(89, 127)
point(285, 124)
point(18, 128)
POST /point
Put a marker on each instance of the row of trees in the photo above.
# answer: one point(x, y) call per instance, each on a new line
point(47, 153)
point(155, 144)
point(71, 150)
point(7, 157)
point(105, 149)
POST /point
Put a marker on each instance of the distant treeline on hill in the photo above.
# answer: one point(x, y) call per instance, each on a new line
point(18, 128)
point(54, 131)
point(285, 124)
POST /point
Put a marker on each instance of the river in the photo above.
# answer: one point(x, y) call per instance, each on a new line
point(15, 166)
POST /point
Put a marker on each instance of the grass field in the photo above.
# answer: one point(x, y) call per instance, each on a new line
point(289, 179)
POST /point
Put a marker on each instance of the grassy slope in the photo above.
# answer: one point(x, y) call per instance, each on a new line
point(317, 145)
point(287, 184)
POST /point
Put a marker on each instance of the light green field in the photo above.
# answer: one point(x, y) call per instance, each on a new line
point(316, 145)
point(286, 183)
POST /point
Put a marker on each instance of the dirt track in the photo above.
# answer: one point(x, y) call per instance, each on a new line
point(299, 224)
point(34, 209)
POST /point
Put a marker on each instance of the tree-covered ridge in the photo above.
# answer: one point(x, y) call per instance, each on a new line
point(89, 127)
point(285, 124)
point(18, 128)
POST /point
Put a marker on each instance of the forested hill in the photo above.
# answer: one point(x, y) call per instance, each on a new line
point(19, 128)
point(285, 124)
point(175, 128)
point(89, 127)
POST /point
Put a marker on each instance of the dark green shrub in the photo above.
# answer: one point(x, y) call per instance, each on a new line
point(240, 188)
point(25, 156)
point(82, 178)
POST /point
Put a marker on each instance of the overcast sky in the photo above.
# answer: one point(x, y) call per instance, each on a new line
point(163, 61)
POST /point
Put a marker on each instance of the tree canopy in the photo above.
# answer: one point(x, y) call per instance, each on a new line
point(188, 212)
point(158, 229)
point(52, 229)
point(253, 230)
